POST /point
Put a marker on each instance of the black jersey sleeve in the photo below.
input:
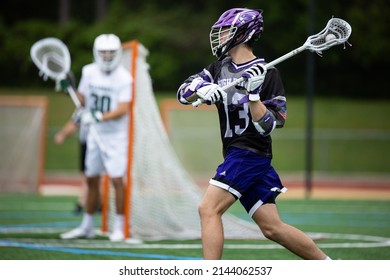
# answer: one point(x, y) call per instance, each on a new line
point(208, 74)
point(273, 96)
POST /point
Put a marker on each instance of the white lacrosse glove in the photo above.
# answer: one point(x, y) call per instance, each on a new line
point(211, 93)
point(77, 115)
point(189, 91)
point(254, 78)
point(91, 117)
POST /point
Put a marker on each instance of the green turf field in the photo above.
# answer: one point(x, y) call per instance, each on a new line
point(344, 229)
point(346, 142)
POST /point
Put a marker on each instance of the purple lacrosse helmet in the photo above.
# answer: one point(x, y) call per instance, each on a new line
point(234, 27)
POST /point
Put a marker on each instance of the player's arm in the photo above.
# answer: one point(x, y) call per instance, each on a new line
point(68, 129)
point(266, 99)
point(81, 98)
point(274, 98)
point(91, 117)
point(201, 86)
point(187, 92)
point(121, 110)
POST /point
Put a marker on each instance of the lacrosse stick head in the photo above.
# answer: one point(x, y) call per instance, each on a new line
point(336, 32)
point(52, 58)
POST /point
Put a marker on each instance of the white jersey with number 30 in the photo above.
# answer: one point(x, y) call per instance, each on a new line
point(103, 92)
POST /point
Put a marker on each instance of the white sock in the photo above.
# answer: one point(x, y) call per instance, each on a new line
point(87, 221)
point(119, 222)
point(327, 258)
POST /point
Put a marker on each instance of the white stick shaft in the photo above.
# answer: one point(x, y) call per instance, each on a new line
point(286, 56)
point(74, 97)
point(270, 64)
point(92, 129)
point(96, 136)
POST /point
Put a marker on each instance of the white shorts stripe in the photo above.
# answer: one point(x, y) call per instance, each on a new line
point(225, 187)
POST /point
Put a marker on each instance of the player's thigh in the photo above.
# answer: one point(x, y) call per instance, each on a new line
point(267, 216)
point(216, 200)
point(93, 161)
point(116, 162)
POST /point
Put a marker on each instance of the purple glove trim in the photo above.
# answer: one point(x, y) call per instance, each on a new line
point(243, 100)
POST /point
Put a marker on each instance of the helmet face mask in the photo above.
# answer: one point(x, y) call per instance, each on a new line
point(107, 52)
point(220, 38)
point(235, 27)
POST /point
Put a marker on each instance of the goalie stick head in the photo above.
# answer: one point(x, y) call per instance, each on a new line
point(52, 58)
point(107, 52)
point(234, 27)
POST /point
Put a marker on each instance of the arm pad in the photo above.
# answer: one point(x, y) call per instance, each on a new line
point(266, 124)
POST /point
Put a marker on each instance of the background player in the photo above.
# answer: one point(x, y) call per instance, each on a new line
point(105, 92)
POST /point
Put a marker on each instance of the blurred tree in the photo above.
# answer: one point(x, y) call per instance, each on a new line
point(176, 32)
point(64, 11)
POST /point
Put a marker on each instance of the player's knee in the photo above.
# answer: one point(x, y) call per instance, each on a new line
point(93, 182)
point(205, 211)
point(270, 231)
point(202, 210)
point(117, 182)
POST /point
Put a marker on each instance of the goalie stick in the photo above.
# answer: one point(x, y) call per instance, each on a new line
point(52, 58)
point(336, 32)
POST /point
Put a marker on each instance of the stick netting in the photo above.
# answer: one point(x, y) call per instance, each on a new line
point(52, 58)
point(335, 26)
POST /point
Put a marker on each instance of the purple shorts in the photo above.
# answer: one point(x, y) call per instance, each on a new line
point(249, 177)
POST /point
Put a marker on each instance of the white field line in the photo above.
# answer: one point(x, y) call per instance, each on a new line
point(367, 242)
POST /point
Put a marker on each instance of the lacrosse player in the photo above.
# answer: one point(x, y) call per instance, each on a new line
point(105, 93)
point(248, 113)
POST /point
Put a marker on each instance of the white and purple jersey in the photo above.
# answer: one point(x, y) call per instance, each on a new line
point(236, 127)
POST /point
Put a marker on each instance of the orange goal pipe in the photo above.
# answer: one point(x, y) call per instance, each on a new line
point(133, 45)
point(105, 202)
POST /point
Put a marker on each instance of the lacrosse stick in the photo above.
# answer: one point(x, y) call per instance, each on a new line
point(52, 58)
point(336, 32)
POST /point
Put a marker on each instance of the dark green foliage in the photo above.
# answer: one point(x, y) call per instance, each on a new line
point(176, 34)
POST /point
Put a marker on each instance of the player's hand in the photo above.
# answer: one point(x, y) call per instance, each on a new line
point(59, 138)
point(64, 84)
point(189, 93)
point(77, 115)
point(64, 81)
point(254, 79)
point(211, 93)
point(91, 117)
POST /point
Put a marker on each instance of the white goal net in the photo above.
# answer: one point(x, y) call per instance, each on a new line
point(162, 197)
point(22, 136)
